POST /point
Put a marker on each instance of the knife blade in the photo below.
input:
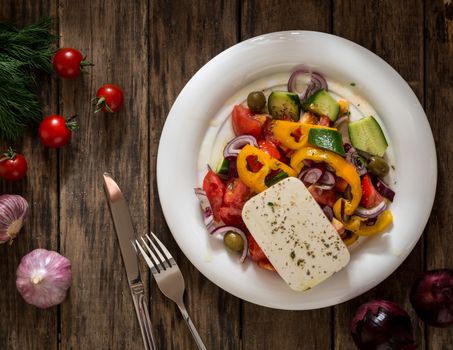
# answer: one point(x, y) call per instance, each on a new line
point(124, 229)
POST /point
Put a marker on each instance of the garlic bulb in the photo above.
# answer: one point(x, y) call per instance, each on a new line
point(13, 209)
point(43, 278)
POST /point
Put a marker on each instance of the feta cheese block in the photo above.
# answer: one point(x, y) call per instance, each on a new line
point(294, 234)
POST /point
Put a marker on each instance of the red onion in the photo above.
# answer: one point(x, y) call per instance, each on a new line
point(340, 121)
point(312, 175)
point(372, 212)
point(344, 217)
point(310, 81)
point(327, 179)
point(382, 324)
point(353, 157)
point(208, 215)
point(384, 189)
point(328, 212)
point(222, 230)
point(233, 147)
point(432, 297)
point(43, 278)
point(13, 209)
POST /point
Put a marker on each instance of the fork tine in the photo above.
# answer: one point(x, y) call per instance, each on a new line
point(157, 264)
point(164, 263)
point(148, 260)
point(164, 250)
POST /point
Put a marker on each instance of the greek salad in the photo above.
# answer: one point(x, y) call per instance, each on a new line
point(303, 132)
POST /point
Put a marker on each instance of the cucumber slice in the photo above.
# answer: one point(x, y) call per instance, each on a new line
point(322, 103)
point(327, 139)
point(276, 178)
point(284, 104)
point(366, 135)
point(224, 167)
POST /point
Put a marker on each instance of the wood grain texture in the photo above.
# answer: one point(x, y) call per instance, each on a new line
point(399, 41)
point(99, 312)
point(23, 326)
point(265, 328)
point(439, 105)
point(184, 36)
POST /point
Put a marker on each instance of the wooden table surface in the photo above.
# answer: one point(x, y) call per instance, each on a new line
point(151, 48)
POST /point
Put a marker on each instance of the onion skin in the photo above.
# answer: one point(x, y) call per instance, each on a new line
point(13, 209)
point(382, 325)
point(43, 278)
point(432, 297)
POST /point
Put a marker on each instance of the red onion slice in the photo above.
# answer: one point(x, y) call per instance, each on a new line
point(328, 212)
point(372, 212)
point(327, 179)
point(222, 230)
point(340, 121)
point(208, 215)
point(384, 189)
point(310, 81)
point(353, 157)
point(324, 187)
point(313, 175)
point(233, 147)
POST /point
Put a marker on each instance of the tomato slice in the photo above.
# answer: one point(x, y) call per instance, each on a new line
point(268, 147)
point(268, 133)
point(236, 194)
point(232, 216)
point(370, 196)
point(323, 197)
point(257, 255)
point(215, 190)
point(245, 123)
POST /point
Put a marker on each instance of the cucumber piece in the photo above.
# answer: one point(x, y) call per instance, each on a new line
point(322, 103)
point(276, 178)
point(224, 167)
point(366, 135)
point(327, 139)
point(284, 104)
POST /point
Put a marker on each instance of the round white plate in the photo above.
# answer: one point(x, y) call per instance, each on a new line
point(197, 127)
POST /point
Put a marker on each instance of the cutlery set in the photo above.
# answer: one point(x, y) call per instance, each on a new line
point(163, 266)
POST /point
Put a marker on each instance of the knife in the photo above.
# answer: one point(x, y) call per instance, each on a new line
point(122, 222)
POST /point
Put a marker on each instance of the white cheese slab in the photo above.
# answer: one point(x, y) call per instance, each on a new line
point(294, 234)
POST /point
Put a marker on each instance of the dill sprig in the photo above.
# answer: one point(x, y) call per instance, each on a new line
point(23, 52)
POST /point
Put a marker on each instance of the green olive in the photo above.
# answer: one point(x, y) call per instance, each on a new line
point(233, 241)
point(256, 101)
point(378, 166)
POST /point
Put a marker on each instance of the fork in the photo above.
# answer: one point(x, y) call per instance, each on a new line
point(168, 277)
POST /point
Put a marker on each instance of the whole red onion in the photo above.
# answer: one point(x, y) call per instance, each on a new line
point(382, 325)
point(432, 297)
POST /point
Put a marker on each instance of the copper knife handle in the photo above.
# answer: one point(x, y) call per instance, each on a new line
point(138, 296)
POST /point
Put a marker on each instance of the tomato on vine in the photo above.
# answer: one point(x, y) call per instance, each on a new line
point(109, 98)
point(55, 131)
point(13, 166)
point(69, 62)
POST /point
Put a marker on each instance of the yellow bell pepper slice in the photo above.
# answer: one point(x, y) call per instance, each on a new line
point(343, 169)
point(351, 239)
point(284, 131)
point(357, 225)
point(256, 180)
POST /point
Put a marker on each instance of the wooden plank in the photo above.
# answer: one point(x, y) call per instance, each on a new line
point(23, 326)
point(100, 312)
point(439, 104)
point(399, 41)
point(265, 328)
point(184, 36)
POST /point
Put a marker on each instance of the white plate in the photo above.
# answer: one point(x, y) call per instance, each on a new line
point(195, 131)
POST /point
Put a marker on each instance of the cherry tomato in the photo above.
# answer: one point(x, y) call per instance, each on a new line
point(13, 166)
point(245, 123)
point(370, 197)
point(109, 98)
point(215, 190)
point(323, 197)
point(55, 131)
point(269, 148)
point(68, 62)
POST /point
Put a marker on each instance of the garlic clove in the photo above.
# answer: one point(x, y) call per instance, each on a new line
point(13, 209)
point(43, 278)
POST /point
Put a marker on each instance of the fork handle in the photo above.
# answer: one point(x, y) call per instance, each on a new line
point(191, 326)
point(138, 296)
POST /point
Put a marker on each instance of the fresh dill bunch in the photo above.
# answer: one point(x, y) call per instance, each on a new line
point(23, 52)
